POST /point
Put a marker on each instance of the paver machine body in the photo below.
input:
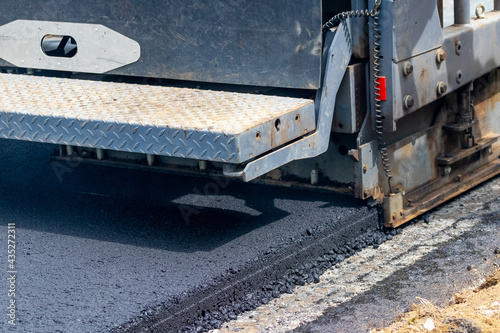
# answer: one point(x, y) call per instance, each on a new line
point(381, 102)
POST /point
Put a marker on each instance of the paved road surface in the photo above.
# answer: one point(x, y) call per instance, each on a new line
point(453, 250)
point(104, 245)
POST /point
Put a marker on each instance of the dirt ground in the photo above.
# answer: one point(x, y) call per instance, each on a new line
point(472, 311)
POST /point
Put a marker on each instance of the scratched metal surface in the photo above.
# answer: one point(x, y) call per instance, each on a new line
point(258, 42)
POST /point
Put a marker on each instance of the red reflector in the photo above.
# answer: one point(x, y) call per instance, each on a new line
point(383, 89)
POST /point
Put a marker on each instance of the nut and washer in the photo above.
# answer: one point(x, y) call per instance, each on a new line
point(440, 56)
point(408, 68)
point(441, 88)
point(408, 102)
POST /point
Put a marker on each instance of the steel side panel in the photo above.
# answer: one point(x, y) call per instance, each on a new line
point(260, 42)
point(416, 28)
point(170, 121)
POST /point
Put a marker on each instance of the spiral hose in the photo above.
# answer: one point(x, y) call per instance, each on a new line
point(377, 107)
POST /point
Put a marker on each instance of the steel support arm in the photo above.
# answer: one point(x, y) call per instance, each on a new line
point(336, 60)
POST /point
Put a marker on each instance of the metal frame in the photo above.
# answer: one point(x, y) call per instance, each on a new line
point(438, 144)
point(441, 60)
point(336, 58)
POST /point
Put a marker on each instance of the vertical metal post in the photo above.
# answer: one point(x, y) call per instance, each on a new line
point(440, 11)
point(462, 11)
point(464, 114)
point(496, 5)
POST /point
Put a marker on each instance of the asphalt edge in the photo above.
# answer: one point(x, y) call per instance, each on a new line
point(203, 307)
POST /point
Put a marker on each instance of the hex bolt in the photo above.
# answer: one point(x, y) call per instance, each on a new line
point(458, 47)
point(441, 88)
point(408, 102)
point(447, 170)
point(440, 56)
point(408, 68)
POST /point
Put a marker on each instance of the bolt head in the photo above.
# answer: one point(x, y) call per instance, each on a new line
point(408, 101)
point(440, 56)
point(441, 88)
point(408, 68)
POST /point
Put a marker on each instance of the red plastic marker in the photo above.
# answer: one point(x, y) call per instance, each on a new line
point(383, 89)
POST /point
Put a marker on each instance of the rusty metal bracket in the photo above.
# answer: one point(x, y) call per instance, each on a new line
point(393, 209)
point(100, 50)
point(434, 198)
point(458, 155)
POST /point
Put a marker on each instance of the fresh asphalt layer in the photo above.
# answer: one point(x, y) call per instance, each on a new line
point(100, 249)
point(453, 247)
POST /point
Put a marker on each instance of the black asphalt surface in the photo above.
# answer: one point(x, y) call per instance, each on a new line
point(456, 265)
point(101, 249)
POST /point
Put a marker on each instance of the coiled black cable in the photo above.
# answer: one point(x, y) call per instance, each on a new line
point(377, 107)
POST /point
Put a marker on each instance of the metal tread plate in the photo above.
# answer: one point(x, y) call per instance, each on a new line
point(181, 122)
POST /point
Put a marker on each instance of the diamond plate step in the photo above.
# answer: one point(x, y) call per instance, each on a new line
point(181, 122)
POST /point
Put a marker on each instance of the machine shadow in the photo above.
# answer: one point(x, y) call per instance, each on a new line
point(143, 209)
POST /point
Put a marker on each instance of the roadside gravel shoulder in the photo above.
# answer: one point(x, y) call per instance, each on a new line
point(473, 310)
